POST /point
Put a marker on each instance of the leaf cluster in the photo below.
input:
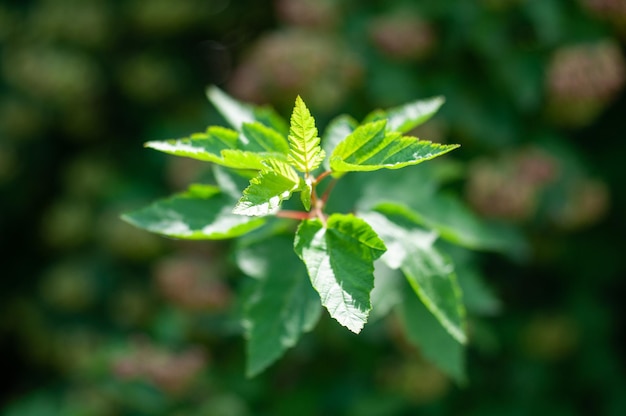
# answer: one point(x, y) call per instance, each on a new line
point(340, 258)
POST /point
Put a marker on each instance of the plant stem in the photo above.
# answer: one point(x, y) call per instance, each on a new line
point(317, 204)
point(294, 215)
point(328, 190)
point(322, 176)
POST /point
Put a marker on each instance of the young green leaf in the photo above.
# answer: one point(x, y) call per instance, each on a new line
point(202, 212)
point(406, 117)
point(339, 257)
point(282, 304)
point(274, 184)
point(430, 274)
point(306, 153)
point(435, 343)
point(371, 147)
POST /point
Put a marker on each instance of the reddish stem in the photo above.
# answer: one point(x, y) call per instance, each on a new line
point(322, 176)
point(294, 215)
point(328, 190)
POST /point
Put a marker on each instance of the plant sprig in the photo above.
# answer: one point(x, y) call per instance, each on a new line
point(337, 251)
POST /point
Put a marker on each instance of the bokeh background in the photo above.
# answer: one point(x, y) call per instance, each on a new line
point(99, 318)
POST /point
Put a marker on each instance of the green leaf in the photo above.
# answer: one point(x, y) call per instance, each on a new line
point(371, 147)
point(337, 130)
point(432, 277)
point(274, 184)
point(240, 159)
point(282, 304)
point(202, 212)
point(224, 147)
point(434, 342)
point(305, 195)
point(263, 139)
point(456, 223)
point(430, 274)
point(408, 116)
point(387, 291)
point(306, 153)
point(205, 146)
point(231, 182)
point(270, 118)
point(340, 260)
point(478, 297)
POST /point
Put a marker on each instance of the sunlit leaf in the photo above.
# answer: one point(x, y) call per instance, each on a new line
point(274, 184)
point(202, 212)
point(306, 153)
point(205, 146)
point(371, 147)
point(339, 257)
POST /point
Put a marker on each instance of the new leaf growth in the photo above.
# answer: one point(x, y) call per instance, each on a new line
point(305, 152)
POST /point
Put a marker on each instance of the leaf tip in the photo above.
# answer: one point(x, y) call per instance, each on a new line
point(212, 92)
point(127, 218)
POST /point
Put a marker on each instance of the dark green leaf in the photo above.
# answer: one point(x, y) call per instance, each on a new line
point(340, 260)
point(425, 332)
point(202, 212)
point(387, 291)
point(282, 304)
point(431, 275)
point(455, 223)
point(478, 297)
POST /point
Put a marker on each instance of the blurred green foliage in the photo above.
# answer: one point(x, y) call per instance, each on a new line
point(98, 318)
